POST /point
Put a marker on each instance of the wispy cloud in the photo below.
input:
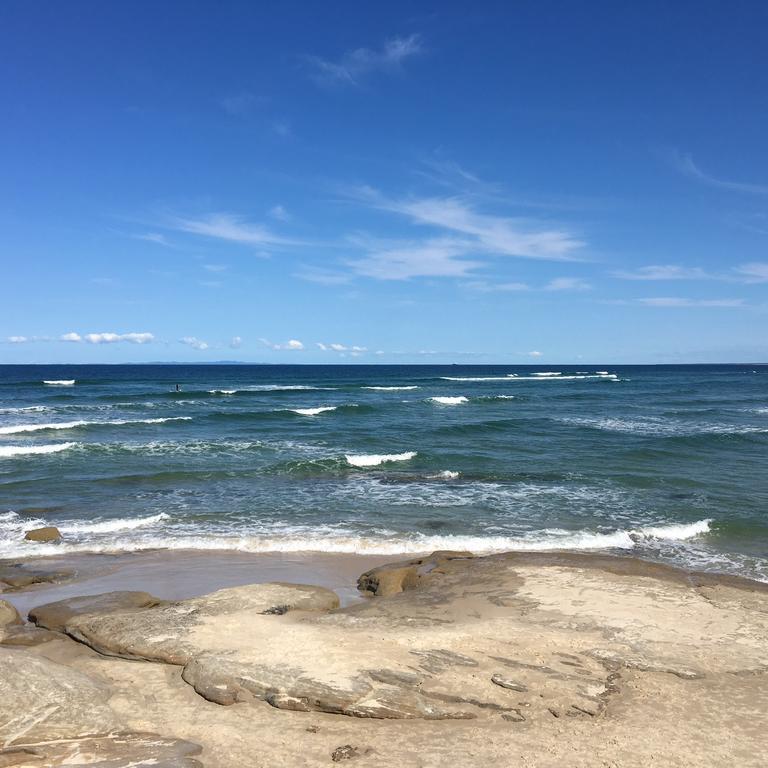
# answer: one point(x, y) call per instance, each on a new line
point(153, 237)
point(322, 276)
point(437, 257)
point(231, 228)
point(567, 284)
point(753, 272)
point(663, 272)
point(291, 345)
point(215, 267)
point(685, 164)
point(18, 339)
point(681, 302)
point(194, 342)
point(236, 342)
point(485, 286)
point(535, 353)
point(279, 213)
point(493, 234)
point(354, 65)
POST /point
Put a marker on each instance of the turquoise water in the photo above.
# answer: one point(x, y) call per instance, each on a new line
point(665, 462)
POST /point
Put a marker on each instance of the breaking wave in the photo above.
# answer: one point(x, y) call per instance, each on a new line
point(9, 451)
point(59, 382)
point(458, 400)
point(375, 460)
point(18, 428)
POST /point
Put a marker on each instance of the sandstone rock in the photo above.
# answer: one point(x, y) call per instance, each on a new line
point(18, 576)
point(48, 533)
point(163, 633)
point(126, 749)
point(398, 577)
point(26, 635)
point(54, 616)
point(8, 614)
point(42, 701)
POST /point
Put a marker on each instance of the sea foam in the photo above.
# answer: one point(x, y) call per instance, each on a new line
point(313, 411)
point(374, 460)
point(9, 451)
point(59, 382)
point(82, 423)
point(392, 389)
point(458, 400)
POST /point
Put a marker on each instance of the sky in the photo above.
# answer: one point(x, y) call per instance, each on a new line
point(300, 182)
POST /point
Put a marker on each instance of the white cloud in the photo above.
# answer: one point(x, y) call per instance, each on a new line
point(113, 338)
point(279, 213)
point(194, 342)
point(291, 344)
point(18, 339)
point(229, 227)
point(663, 272)
point(684, 163)
point(535, 353)
point(336, 347)
point(76, 337)
point(567, 284)
point(753, 272)
point(215, 267)
point(322, 276)
point(439, 257)
point(355, 64)
point(487, 287)
point(153, 237)
point(236, 342)
point(492, 234)
point(676, 301)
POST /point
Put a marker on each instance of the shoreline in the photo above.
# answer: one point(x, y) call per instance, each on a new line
point(178, 574)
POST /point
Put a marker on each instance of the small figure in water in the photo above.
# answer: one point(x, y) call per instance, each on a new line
point(178, 388)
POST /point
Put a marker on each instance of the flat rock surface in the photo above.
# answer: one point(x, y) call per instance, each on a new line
point(42, 700)
point(55, 615)
point(527, 639)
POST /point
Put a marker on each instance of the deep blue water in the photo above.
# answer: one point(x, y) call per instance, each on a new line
point(666, 462)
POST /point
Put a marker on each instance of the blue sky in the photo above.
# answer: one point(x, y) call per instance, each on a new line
point(511, 182)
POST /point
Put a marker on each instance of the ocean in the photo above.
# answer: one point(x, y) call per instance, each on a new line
point(667, 463)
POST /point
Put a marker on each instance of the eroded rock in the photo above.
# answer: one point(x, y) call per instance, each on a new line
point(8, 615)
point(54, 616)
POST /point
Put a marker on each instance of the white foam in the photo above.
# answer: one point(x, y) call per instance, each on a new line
point(8, 451)
point(82, 423)
point(448, 474)
point(313, 411)
point(449, 400)
point(392, 389)
point(571, 377)
point(108, 526)
point(59, 382)
point(674, 531)
point(548, 373)
point(374, 460)
point(282, 388)
point(222, 391)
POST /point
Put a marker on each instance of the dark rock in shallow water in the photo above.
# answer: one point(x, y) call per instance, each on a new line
point(54, 616)
point(49, 533)
point(18, 576)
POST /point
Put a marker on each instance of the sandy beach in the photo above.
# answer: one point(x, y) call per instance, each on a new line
point(538, 659)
